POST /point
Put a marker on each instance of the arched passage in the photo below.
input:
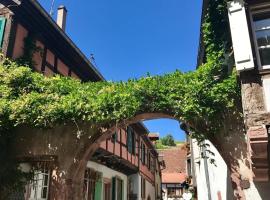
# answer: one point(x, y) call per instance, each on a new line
point(233, 151)
point(207, 104)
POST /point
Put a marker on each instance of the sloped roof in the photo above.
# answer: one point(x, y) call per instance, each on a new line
point(175, 159)
point(173, 177)
point(153, 136)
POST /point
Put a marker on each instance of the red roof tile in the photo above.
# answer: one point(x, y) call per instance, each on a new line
point(173, 177)
point(175, 159)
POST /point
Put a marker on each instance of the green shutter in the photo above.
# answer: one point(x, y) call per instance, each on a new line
point(2, 30)
point(98, 189)
point(113, 188)
point(129, 140)
point(122, 182)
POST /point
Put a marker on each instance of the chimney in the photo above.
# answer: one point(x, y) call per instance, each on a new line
point(61, 17)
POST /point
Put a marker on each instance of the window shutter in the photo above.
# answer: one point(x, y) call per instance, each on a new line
point(240, 36)
point(98, 190)
point(2, 30)
point(122, 183)
point(129, 139)
point(113, 188)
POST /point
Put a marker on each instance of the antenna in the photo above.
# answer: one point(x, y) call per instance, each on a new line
point(92, 58)
point(51, 10)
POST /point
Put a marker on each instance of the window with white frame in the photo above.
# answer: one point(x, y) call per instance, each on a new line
point(90, 178)
point(261, 27)
point(39, 186)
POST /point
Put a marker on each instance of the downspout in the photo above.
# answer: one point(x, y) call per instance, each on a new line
point(206, 171)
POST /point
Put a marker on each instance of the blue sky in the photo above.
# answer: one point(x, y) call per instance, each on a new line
point(132, 37)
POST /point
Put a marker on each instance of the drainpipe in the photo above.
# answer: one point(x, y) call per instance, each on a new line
point(206, 171)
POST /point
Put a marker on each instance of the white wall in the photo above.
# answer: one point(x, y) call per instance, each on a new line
point(108, 173)
point(219, 176)
point(135, 184)
point(149, 190)
point(266, 89)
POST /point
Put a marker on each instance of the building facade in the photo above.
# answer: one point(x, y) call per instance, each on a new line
point(126, 165)
point(174, 175)
point(208, 172)
point(249, 23)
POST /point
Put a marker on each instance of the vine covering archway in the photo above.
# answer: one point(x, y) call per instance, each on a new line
point(204, 99)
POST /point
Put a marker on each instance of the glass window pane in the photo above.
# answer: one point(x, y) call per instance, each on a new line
point(263, 37)
point(265, 56)
point(44, 193)
point(262, 24)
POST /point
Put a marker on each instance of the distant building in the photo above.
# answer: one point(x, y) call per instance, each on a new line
point(153, 137)
point(174, 176)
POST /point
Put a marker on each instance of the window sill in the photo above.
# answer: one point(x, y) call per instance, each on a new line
point(264, 70)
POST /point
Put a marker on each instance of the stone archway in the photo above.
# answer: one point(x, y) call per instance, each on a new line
point(74, 152)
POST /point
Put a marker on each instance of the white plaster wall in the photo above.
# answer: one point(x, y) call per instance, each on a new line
point(266, 89)
point(108, 173)
point(135, 184)
point(149, 190)
point(219, 176)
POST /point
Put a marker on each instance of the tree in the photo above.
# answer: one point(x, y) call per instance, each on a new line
point(168, 140)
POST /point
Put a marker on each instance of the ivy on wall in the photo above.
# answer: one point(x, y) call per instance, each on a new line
point(200, 98)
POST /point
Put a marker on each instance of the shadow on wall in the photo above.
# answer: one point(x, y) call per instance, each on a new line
point(263, 189)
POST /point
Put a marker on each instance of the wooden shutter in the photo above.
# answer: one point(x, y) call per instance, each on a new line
point(98, 189)
point(122, 183)
point(240, 35)
point(129, 139)
point(2, 30)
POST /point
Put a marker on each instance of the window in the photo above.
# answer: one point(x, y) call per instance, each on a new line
point(117, 189)
point(146, 157)
point(39, 186)
point(262, 31)
point(143, 153)
point(114, 137)
point(107, 191)
point(2, 30)
point(130, 140)
point(261, 19)
point(142, 187)
point(175, 192)
point(89, 187)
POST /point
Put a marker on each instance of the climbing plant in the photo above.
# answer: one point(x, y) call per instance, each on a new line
point(201, 98)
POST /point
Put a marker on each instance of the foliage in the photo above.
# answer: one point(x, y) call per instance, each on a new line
point(194, 97)
point(168, 140)
point(159, 145)
point(200, 98)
